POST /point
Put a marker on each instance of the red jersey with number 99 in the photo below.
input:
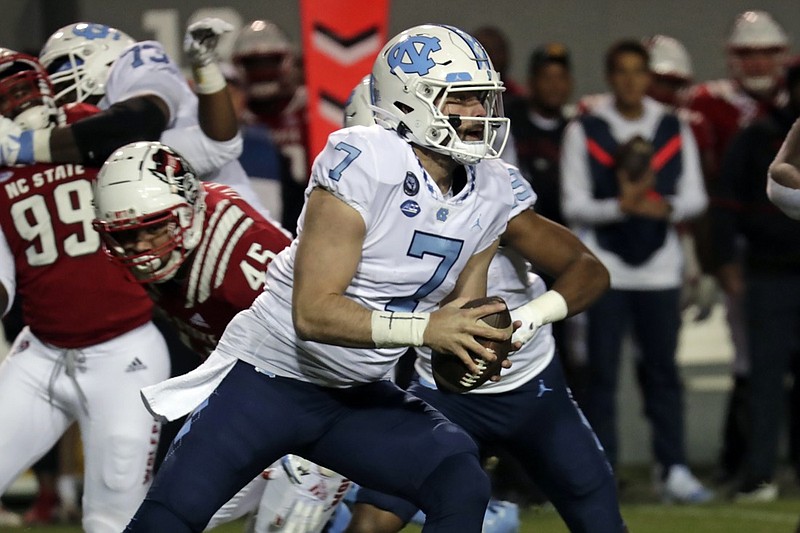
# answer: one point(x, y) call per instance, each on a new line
point(224, 273)
point(73, 295)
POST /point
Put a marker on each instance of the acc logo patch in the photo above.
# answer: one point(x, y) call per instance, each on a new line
point(411, 184)
point(413, 55)
point(410, 208)
point(442, 213)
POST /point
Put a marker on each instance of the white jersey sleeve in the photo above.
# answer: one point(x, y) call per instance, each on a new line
point(524, 196)
point(7, 272)
point(205, 154)
point(349, 171)
point(144, 68)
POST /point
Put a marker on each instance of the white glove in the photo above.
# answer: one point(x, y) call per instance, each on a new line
point(701, 293)
point(544, 309)
point(11, 143)
point(530, 325)
point(300, 497)
point(202, 38)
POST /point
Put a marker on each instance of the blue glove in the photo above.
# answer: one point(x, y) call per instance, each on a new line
point(16, 144)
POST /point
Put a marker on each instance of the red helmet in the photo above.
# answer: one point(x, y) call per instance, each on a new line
point(26, 94)
point(270, 64)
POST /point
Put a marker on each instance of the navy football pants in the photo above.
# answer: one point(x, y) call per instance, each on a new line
point(541, 426)
point(376, 434)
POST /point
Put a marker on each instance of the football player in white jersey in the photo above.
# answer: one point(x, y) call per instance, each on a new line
point(398, 230)
point(142, 95)
point(530, 410)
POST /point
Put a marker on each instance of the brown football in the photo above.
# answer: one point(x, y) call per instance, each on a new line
point(634, 157)
point(452, 375)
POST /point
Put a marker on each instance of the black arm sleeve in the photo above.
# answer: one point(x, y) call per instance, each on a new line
point(135, 119)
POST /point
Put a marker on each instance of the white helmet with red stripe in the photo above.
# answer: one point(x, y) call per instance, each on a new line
point(668, 57)
point(757, 47)
point(147, 186)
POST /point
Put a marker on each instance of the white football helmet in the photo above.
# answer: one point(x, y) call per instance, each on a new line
point(412, 77)
point(358, 109)
point(78, 58)
point(26, 95)
point(147, 185)
point(668, 57)
point(757, 31)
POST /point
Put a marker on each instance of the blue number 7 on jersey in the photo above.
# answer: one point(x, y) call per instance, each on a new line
point(427, 244)
point(352, 152)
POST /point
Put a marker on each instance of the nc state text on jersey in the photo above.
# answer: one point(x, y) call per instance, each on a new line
point(21, 186)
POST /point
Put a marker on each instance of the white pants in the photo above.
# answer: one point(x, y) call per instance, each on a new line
point(44, 389)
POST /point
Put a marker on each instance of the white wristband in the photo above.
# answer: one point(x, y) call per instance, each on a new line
point(786, 198)
point(392, 330)
point(208, 79)
point(41, 146)
point(549, 307)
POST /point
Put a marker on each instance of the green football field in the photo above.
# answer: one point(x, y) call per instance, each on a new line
point(777, 517)
point(641, 511)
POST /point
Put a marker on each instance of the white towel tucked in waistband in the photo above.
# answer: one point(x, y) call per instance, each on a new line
point(178, 396)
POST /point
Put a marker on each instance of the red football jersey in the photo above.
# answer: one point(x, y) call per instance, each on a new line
point(289, 130)
point(73, 295)
point(224, 273)
point(727, 109)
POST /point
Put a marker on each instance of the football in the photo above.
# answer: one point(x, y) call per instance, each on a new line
point(634, 157)
point(452, 375)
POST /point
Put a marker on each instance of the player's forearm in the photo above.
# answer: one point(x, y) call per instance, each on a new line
point(785, 169)
point(217, 116)
point(63, 148)
point(582, 283)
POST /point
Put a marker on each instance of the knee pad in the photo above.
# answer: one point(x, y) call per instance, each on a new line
point(124, 463)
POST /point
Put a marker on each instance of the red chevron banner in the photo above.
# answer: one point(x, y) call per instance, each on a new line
point(340, 41)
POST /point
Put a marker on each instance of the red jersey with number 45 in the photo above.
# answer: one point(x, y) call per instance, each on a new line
point(224, 273)
point(73, 295)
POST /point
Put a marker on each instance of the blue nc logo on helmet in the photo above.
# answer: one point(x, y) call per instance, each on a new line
point(413, 55)
point(94, 31)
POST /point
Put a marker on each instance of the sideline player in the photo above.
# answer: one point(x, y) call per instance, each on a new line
point(392, 227)
point(538, 421)
point(89, 345)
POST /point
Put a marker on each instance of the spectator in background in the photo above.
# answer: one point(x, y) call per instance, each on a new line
point(756, 52)
point(538, 122)
point(260, 158)
point(537, 128)
point(628, 220)
point(671, 74)
point(277, 98)
point(767, 279)
point(495, 42)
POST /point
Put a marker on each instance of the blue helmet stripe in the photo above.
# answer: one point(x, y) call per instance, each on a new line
point(481, 57)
